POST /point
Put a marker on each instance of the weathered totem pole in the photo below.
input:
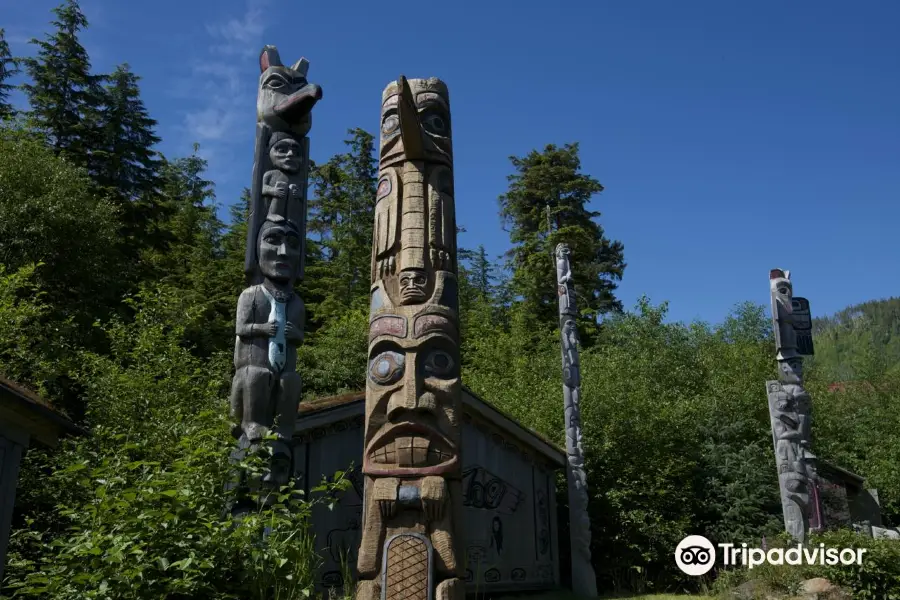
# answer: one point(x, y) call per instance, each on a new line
point(789, 411)
point(265, 391)
point(411, 462)
point(584, 581)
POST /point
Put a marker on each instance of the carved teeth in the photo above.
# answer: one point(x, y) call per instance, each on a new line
point(410, 451)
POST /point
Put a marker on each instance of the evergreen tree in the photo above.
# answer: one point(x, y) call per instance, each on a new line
point(341, 213)
point(9, 66)
point(188, 229)
point(546, 204)
point(66, 99)
point(127, 164)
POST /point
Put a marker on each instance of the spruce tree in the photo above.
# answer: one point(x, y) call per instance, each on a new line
point(126, 164)
point(546, 204)
point(341, 213)
point(479, 271)
point(65, 98)
point(9, 66)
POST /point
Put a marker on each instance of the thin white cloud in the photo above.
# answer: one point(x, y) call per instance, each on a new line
point(240, 36)
point(223, 72)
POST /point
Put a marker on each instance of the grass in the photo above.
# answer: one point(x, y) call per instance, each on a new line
point(564, 595)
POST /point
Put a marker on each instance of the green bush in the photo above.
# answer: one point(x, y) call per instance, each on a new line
point(153, 530)
point(878, 577)
point(137, 509)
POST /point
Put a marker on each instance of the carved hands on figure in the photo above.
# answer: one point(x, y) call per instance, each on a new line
point(265, 329)
point(292, 332)
point(279, 190)
point(433, 493)
point(384, 492)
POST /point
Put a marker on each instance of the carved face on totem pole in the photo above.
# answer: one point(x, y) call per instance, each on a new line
point(279, 251)
point(413, 377)
point(782, 293)
point(285, 152)
point(285, 99)
point(565, 287)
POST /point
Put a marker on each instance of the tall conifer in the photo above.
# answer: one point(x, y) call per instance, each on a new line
point(127, 164)
point(66, 99)
point(9, 66)
point(546, 204)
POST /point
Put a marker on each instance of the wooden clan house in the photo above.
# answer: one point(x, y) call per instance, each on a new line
point(509, 472)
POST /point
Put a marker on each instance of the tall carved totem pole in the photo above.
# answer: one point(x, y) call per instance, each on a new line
point(411, 458)
point(265, 391)
point(789, 407)
point(584, 580)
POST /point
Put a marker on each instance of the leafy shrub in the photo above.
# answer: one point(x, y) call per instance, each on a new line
point(877, 577)
point(137, 510)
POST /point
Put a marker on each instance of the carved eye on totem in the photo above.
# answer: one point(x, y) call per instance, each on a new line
point(439, 364)
point(276, 238)
point(386, 368)
point(276, 83)
point(435, 123)
point(390, 124)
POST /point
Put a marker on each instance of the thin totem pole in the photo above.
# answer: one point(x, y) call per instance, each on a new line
point(789, 411)
point(584, 581)
point(411, 462)
point(265, 391)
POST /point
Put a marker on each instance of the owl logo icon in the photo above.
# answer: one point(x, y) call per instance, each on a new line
point(695, 555)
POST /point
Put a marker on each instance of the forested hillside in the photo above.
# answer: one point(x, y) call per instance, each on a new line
point(859, 342)
point(118, 285)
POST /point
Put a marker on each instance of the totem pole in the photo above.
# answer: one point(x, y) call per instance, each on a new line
point(411, 458)
point(265, 391)
point(789, 411)
point(584, 581)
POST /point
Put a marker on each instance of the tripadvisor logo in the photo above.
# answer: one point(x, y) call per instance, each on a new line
point(696, 555)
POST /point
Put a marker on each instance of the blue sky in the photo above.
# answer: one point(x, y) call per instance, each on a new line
point(732, 137)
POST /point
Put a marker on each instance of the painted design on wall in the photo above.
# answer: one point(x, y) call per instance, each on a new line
point(487, 491)
point(497, 535)
point(545, 573)
point(543, 514)
point(321, 432)
point(342, 543)
point(492, 576)
point(518, 574)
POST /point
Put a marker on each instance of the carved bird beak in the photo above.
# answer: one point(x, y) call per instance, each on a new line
point(410, 128)
point(299, 104)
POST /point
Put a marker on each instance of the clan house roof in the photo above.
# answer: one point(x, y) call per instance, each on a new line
point(330, 409)
point(24, 409)
point(847, 476)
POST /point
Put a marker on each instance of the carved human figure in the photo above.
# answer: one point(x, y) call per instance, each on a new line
point(565, 287)
point(782, 291)
point(793, 474)
point(789, 409)
point(411, 458)
point(284, 104)
point(266, 388)
point(584, 581)
point(281, 185)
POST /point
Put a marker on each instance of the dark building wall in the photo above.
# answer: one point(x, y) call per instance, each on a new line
point(509, 523)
